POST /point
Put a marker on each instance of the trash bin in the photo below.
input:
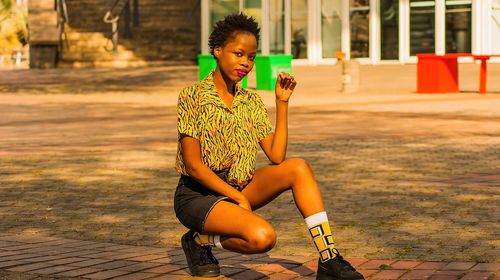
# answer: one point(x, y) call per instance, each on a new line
point(267, 68)
point(207, 63)
point(437, 73)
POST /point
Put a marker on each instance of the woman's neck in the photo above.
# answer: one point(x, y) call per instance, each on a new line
point(223, 83)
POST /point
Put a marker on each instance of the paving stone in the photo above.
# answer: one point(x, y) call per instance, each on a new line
point(459, 266)
point(477, 275)
point(107, 274)
point(250, 275)
point(389, 274)
point(78, 272)
point(53, 269)
point(486, 267)
point(6, 264)
point(29, 267)
point(431, 265)
point(140, 266)
point(376, 264)
point(164, 269)
point(405, 264)
point(114, 264)
point(417, 274)
point(136, 276)
point(90, 262)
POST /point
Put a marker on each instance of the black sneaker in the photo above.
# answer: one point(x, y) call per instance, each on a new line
point(337, 269)
point(200, 260)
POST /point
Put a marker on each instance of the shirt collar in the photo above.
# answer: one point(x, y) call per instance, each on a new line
point(207, 85)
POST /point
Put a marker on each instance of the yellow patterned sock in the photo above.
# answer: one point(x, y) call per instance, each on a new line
point(320, 231)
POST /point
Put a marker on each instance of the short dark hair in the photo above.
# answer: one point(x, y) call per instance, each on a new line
point(225, 29)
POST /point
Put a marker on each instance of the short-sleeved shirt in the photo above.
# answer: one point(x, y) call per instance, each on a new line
point(228, 137)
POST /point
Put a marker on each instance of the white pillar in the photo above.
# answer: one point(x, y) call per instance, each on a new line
point(374, 31)
point(487, 27)
point(288, 27)
point(205, 26)
point(346, 35)
point(440, 19)
point(404, 30)
point(265, 27)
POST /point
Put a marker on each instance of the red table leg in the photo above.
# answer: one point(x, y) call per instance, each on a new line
point(482, 76)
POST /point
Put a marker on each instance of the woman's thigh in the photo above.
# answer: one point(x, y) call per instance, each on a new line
point(229, 219)
point(270, 181)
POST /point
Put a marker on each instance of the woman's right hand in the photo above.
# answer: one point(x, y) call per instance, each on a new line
point(243, 202)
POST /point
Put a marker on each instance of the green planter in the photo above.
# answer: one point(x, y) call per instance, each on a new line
point(267, 68)
point(207, 64)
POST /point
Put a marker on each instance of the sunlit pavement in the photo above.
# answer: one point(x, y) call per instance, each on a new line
point(410, 181)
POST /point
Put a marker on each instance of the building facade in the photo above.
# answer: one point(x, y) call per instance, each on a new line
point(371, 31)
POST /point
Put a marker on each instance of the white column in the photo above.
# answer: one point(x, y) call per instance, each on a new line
point(404, 30)
point(288, 26)
point(476, 27)
point(374, 31)
point(487, 27)
point(312, 44)
point(440, 19)
point(265, 27)
point(346, 35)
point(205, 26)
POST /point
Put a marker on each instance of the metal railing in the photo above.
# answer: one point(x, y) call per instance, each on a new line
point(118, 9)
point(62, 19)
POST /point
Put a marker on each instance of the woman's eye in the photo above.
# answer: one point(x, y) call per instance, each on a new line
point(252, 58)
point(238, 54)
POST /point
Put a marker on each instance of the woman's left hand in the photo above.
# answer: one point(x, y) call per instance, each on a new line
point(284, 86)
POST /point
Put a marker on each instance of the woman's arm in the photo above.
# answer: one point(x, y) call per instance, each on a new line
point(274, 145)
point(191, 155)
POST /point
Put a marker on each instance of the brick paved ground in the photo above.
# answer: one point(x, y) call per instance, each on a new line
point(30, 257)
point(405, 176)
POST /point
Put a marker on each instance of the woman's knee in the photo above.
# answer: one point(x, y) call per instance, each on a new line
point(297, 167)
point(261, 238)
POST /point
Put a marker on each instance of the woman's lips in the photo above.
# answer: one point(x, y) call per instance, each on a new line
point(241, 73)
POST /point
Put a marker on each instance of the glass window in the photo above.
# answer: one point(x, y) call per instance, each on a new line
point(360, 28)
point(277, 27)
point(458, 26)
point(422, 27)
point(331, 27)
point(299, 28)
point(389, 29)
point(221, 8)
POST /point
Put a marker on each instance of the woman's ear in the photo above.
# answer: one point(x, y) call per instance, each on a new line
point(217, 51)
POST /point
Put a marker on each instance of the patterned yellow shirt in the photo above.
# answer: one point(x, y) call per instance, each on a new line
point(228, 137)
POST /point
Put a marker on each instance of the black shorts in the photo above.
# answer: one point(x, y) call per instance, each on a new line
point(193, 201)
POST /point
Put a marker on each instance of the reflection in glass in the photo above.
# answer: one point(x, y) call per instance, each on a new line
point(299, 28)
point(458, 26)
point(277, 29)
point(422, 27)
point(360, 27)
point(331, 27)
point(389, 31)
point(221, 8)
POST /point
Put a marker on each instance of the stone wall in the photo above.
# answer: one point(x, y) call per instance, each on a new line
point(169, 33)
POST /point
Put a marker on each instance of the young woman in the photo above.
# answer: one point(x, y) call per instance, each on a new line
point(220, 125)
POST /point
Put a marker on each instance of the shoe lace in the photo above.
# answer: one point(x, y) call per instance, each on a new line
point(341, 260)
point(206, 255)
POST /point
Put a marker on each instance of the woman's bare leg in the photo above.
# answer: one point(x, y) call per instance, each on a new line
point(241, 230)
point(295, 174)
point(245, 232)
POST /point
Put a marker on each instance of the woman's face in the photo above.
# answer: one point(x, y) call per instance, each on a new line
point(236, 58)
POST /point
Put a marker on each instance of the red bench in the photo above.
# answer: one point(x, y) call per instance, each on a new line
point(439, 73)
